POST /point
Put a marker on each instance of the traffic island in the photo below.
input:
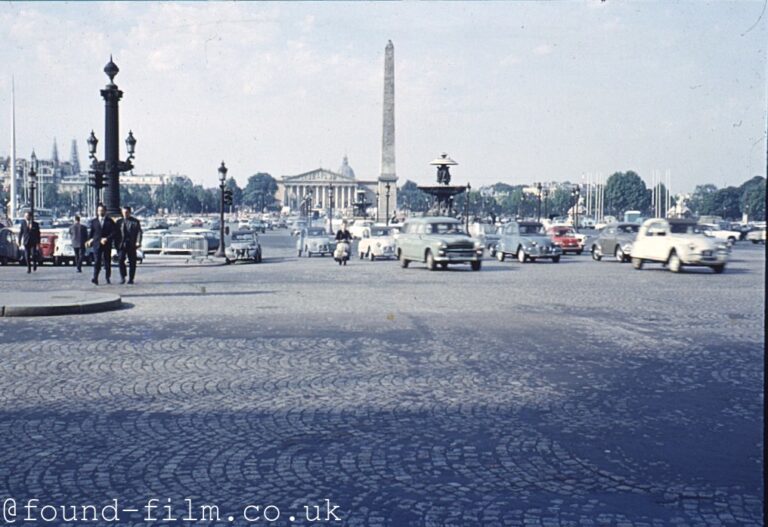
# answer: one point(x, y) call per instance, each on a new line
point(54, 303)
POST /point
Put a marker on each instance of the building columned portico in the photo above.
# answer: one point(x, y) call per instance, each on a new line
point(324, 184)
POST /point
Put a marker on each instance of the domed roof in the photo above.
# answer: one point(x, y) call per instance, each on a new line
point(346, 170)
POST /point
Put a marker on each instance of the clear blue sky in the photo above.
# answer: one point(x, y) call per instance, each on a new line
point(514, 91)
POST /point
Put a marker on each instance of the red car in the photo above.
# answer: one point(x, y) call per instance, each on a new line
point(47, 245)
point(565, 237)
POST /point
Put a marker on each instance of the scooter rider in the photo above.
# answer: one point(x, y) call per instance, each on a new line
point(344, 236)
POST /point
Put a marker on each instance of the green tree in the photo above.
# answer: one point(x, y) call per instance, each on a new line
point(259, 192)
point(753, 199)
point(726, 203)
point(411, 197)
point(625, 191)
point(702, 200)
point(559, 202)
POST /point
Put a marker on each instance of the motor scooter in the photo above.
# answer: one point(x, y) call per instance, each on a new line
point(341, 254)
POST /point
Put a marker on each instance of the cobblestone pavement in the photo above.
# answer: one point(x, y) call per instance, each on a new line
point(578, 393)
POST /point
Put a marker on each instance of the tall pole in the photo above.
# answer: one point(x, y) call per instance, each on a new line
point(112, 96)
point(330, 203)
point(222, 186)
point(387, 210)
point(12, 206)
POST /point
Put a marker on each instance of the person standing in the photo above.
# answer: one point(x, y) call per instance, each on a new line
point(29, 238)
point(129, 239)
point(78, 234)
point(100, 236)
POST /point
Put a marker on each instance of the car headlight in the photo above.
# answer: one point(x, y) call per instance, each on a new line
point(378, 244)
point(627, 248)
point(443, 246)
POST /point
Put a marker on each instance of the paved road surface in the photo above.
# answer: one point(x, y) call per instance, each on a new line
point(578, 393)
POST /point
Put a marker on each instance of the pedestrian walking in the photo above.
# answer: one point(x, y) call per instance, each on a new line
point(78, 233)
point(29, 238)
point(100, 237)
point(129, 239)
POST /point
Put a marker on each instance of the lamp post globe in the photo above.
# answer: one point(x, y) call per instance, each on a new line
point(222, 179)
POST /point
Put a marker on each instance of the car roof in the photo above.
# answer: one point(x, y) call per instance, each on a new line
point(433, 219)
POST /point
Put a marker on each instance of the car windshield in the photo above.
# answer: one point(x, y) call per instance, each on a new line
point(628, 229)
point(686, 228)
point(563, 232)
point(381, 232)
point(242, 237)
point(316, 231)
point(531, 228)
point(445, 228)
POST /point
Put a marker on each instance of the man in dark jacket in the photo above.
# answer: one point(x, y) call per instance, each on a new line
point(129, 239)
point(29, 238)
point(100, 236)
point(78, 234)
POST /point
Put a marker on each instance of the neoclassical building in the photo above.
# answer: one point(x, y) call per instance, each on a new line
point(322, 183)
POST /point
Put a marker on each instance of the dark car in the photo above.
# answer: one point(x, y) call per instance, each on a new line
point(615, 240)
point(9, 247)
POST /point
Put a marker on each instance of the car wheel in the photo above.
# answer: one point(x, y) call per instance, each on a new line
point(619, 254)
point(532, 259)
point(404, 262)
point(718, 269)
point(500, 256)
point(299, 253)
point(580, 251)
point(596, 256)
point(755, 242)
point(491, 251)
point(371, 256)
point(362, 256)
point(521, 257)
point(477, 265)
point(637, 263)
point(3, 260)
point(674, 263)
point(732, 240)
point(443, 265)
point(430, 260)
point(555, 259)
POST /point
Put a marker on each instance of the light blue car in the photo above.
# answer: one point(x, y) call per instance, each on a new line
point(526, 241)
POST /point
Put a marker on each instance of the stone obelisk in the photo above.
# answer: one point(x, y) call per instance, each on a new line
point(388, 174)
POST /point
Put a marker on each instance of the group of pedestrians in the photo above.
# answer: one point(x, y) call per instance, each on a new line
point(103, 234)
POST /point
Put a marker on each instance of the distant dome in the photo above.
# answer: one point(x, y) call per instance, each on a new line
point(346, 170)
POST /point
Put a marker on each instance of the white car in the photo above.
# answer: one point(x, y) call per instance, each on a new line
point(724, 235)
point(152, 240)
point(377, 241)
point(314, 240)
point(757, 236)
point(675, 243)
point(356, 229)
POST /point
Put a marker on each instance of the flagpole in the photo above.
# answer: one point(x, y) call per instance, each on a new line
point(12, 205)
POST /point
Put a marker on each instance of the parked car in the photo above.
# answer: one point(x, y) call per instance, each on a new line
point(437, 241)
point(615, 240)
point(244, 245)
point(487, 234)
point(721, 234)
point(757, 236)
point(356, 229)
point(48, 245)
point(152, 240)
point(526, 240)
point(677, 243)
point(564, 236)
point(314, 240)
point(63, 252)
point(377, 242)
point(9, 247)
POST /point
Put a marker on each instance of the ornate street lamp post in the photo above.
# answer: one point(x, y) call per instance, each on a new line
point(330, 204)
point(387, 208)
point(111, 166)
point(32, 183)
point(222, 186)
point(377, 206)
point(538, 195)
point(546, 193)
point(576, 193)
point(466, 207)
